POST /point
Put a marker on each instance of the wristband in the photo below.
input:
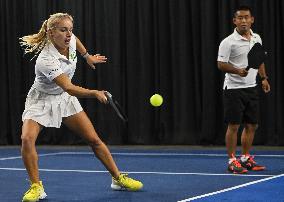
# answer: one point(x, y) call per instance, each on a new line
point(86, 55)
point(263, 78)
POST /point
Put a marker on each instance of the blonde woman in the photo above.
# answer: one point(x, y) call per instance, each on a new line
point(52, 100)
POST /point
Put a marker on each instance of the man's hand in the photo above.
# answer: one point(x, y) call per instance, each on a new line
point(242, 72)
point(265, 86)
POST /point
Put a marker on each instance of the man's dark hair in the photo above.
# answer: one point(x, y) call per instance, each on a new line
point(242, 8)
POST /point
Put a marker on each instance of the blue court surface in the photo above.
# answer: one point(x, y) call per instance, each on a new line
point(169, 174)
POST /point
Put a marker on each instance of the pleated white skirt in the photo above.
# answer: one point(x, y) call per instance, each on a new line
point(48, 110)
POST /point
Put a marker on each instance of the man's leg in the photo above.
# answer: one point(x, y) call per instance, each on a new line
point(231, 144)
point(247, 161)
point(231, 139)
point(247, 137)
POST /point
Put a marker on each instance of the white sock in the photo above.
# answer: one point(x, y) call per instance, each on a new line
point(232, 159)
point(244, 158)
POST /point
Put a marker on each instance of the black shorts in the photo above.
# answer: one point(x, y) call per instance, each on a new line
point(241, 105)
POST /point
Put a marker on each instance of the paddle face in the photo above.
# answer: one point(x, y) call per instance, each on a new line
point(117, 108)
point(256, 56)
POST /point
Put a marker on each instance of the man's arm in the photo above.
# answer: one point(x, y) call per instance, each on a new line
point(228, 68)
point(264, 78)
point(262, 72)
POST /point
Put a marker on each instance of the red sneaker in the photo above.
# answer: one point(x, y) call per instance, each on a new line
point(236, 168)
point(250, 164)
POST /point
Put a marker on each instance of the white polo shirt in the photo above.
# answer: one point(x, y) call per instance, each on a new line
point(50, 64)
point(234, 50)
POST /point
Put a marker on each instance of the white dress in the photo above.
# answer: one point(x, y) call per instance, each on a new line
point(46, 102)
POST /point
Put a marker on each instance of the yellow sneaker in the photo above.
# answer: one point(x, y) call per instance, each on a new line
point(35, 193)
point(126, 183)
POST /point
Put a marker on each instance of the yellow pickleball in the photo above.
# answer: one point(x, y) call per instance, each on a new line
point(156, 100)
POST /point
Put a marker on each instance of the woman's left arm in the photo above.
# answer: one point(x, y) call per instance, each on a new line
point(91, 59)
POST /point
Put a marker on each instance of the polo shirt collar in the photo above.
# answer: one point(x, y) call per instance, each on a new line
point(54, 52)
point(237, 36)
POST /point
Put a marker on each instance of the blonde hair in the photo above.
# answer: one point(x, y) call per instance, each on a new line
point(34, 43)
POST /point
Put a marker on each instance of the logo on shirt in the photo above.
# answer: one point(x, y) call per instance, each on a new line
point(53, 70)
point(73, 56)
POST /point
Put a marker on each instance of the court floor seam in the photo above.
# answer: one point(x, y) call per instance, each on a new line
point(137, 172)
point(139, 154)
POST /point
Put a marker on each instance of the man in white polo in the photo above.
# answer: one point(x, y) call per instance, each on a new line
point(240, 90)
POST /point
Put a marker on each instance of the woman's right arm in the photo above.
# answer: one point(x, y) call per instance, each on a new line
point(65, 83)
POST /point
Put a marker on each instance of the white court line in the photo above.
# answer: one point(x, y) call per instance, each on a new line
point(164, 154)
point(19, 157)
point(157, 173)
point(231, 188)
point(138, 154)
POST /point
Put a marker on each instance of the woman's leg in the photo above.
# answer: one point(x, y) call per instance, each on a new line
point(81, 124)
point(30, 131)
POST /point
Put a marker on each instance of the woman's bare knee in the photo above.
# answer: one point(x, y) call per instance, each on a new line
point(28, 138)
point(30, 131)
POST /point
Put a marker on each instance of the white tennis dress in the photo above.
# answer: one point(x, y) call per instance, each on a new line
point(46, 102)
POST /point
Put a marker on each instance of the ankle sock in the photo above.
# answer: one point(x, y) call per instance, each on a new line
point(232, 159)
point(244, 157)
